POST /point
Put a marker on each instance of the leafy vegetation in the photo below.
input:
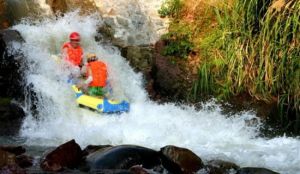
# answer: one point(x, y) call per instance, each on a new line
point(178, 41)
point(170, 8)
point(254, 49)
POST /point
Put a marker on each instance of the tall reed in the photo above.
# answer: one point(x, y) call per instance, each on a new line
point(256, 50)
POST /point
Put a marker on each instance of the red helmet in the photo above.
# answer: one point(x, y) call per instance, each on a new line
point(74, 36)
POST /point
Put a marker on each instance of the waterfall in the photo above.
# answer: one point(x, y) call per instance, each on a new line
point(207, 132)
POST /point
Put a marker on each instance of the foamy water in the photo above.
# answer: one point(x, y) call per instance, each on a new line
point(206, 132)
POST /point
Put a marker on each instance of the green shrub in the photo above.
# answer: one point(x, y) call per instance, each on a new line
point(178, 40)
point(170, 8)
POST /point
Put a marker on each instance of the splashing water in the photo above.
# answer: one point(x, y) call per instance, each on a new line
point(206, 132)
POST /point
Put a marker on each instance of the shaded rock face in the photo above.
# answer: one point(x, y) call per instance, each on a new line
point(180, 160)
point(4, 21)
point(130, 22)
point(171, 78)
point(10, 62)
point(123, 157)
point(66, 155)
point(141, 59)
point(11, 83)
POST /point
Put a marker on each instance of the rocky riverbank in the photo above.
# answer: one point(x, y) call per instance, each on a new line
point(131, 159)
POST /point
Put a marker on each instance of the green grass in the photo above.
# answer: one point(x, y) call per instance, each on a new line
point(170, 8)
point(254, 49)
point(259, 54)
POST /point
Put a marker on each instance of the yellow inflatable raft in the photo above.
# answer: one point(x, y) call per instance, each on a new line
point(100, 104)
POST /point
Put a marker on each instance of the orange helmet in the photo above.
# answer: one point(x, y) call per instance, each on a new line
point(74, 36)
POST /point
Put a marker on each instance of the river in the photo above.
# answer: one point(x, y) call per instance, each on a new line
point(207, 132)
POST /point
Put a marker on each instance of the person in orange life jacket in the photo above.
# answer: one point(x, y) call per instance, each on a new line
point(72, 51)
point(96, 76)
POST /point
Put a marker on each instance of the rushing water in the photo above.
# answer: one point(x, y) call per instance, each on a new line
point(206, 132)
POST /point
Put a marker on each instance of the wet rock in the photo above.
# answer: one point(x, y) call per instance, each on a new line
point(93, 148)
point(85, 6)
point(57, 5)
point(66, 155)
point(11, 116)
point(137, 169)
point(223, 165)
point(132, 22)
point(122, 21)
point(24, 161)
point(123, 157)
point(10, 62)
point(212, 170)
point(180, 160)
point(4, 22)
point(12, 169)
point(6, 158)
point(139, 57)
point(17, 150)
point(253, 170)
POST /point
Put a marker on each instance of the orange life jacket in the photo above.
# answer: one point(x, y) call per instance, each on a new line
point(74, 54)
point(99, 73)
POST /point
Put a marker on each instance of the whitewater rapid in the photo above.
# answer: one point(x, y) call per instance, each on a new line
point(206, 132)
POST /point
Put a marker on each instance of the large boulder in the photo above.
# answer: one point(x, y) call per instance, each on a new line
point(67, 155)
point(123, 157)
point(180, 160)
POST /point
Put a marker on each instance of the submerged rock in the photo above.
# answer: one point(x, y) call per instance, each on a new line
point(224, 165)
point(68, 155)
point(24, 161)
point(253, 170)
point(12, 169)
point(17, 150)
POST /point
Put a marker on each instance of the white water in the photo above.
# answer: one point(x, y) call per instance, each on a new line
point(206, 132)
